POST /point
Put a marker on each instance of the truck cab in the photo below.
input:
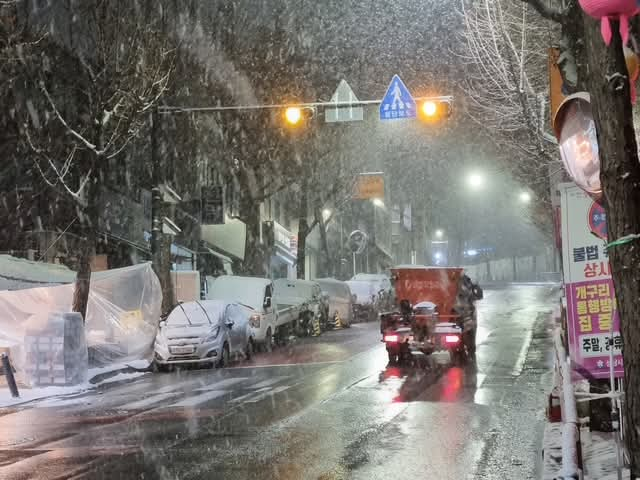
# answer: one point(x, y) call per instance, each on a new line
point(255, 293)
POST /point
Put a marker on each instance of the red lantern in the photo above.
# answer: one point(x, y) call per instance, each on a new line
point(607, 10)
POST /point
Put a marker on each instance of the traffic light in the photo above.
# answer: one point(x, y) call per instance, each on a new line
point(433, 111)
point(294, 115)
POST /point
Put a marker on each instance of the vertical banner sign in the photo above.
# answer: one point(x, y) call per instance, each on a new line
point(213, 205)
point(592, 315)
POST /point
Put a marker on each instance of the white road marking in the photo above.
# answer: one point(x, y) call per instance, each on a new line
point(148, 401)
point(242, 398)
point(198, 399)
point(266, 394)
point(227, 382)
point(522, 356)
point(270, 381)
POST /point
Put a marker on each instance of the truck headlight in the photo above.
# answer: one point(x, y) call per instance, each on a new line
point(254, 321)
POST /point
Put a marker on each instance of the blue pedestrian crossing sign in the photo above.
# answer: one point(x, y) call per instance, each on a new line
point(397, 102)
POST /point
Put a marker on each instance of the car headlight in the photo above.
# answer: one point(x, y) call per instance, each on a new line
point(254, 321)
point(213, 335)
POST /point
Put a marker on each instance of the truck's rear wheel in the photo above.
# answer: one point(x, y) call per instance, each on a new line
point(393, 358)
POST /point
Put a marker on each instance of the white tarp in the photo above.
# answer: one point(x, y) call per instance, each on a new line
point(18, 273)
point(122, 316)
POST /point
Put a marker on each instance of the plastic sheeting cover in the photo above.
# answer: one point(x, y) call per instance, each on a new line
point(122, 315)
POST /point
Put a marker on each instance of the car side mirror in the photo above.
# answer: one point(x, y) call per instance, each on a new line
point(229, 323)
point(267, 302)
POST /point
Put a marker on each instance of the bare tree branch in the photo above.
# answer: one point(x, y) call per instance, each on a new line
point(546, 11)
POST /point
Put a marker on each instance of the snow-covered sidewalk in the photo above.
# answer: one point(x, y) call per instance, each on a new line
point(599, 456)
point(97, 377)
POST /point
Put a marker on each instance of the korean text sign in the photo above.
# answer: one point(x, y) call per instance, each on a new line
point(592, 317)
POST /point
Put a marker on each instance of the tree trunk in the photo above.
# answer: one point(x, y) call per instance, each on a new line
point(303, 230)
point(620, 176)
point(328, 264)
point(255, 257)
point(85, 253)
point(88, 237)
point(160, 242)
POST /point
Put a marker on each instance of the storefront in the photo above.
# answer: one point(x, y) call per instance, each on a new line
point(283, 258)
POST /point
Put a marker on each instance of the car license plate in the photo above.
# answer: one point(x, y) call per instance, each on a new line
point(182, 350)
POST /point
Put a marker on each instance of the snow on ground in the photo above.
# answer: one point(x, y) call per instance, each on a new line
point(599, 456)
point(54, 395)
point(136, 364)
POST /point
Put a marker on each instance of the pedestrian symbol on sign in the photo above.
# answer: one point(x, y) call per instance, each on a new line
point(397, 102)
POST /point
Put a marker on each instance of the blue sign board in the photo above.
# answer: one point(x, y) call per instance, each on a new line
point(397, 102)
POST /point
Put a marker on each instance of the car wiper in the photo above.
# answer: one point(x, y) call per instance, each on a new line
point(205, 312)
point(185, 313)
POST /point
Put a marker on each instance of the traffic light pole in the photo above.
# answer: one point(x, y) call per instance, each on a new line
point(169, 109)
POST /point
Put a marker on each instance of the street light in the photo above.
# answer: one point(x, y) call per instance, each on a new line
point(326, 213)
point(293, 115)
point(475, 181)
point(378, 202)
point(525, 197)
point(429, 108)
point(439, 233)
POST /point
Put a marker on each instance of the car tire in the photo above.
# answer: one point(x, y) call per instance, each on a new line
point(248, 350)
point(393, 358)
point(159, 367)
point(268, 341)
point(224, 356)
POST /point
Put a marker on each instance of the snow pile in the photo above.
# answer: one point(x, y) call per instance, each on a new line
point(599, 456)
point(57, 396)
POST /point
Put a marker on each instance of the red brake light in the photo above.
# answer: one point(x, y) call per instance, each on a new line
point(451, 338)
point(391, 338)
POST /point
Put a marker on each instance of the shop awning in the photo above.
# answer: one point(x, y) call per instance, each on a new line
point(229, 238)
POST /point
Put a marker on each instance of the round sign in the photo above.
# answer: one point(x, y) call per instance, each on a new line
point(598, 221)
point(357, 241)
point(576, 133)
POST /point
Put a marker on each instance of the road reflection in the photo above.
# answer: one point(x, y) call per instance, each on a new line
point(410, 384)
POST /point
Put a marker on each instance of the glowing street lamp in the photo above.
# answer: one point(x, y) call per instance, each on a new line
point(439, 233)
point(326, 213)
point(475, 181)
point(378, 202)
point(293, 115)
point(429, 108)
point(525, 197)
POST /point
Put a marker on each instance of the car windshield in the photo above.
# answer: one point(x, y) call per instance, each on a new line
point(217, 218)
point(195, 313)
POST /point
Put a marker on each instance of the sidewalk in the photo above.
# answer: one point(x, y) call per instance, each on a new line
point(97, 377)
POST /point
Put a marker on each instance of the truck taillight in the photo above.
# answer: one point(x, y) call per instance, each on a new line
point(391, 338)
point(254, 321)
point(451, 339)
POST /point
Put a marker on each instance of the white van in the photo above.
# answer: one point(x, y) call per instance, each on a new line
point(255, 293)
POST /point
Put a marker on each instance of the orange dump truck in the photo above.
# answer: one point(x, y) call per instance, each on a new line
point(435, 311)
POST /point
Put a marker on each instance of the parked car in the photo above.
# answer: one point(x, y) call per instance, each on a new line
point(268, 319)
point(204, 332)
point(304, 301)
point(338, 299)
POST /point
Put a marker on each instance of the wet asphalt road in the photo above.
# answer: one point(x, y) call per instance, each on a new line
point(325, 408)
